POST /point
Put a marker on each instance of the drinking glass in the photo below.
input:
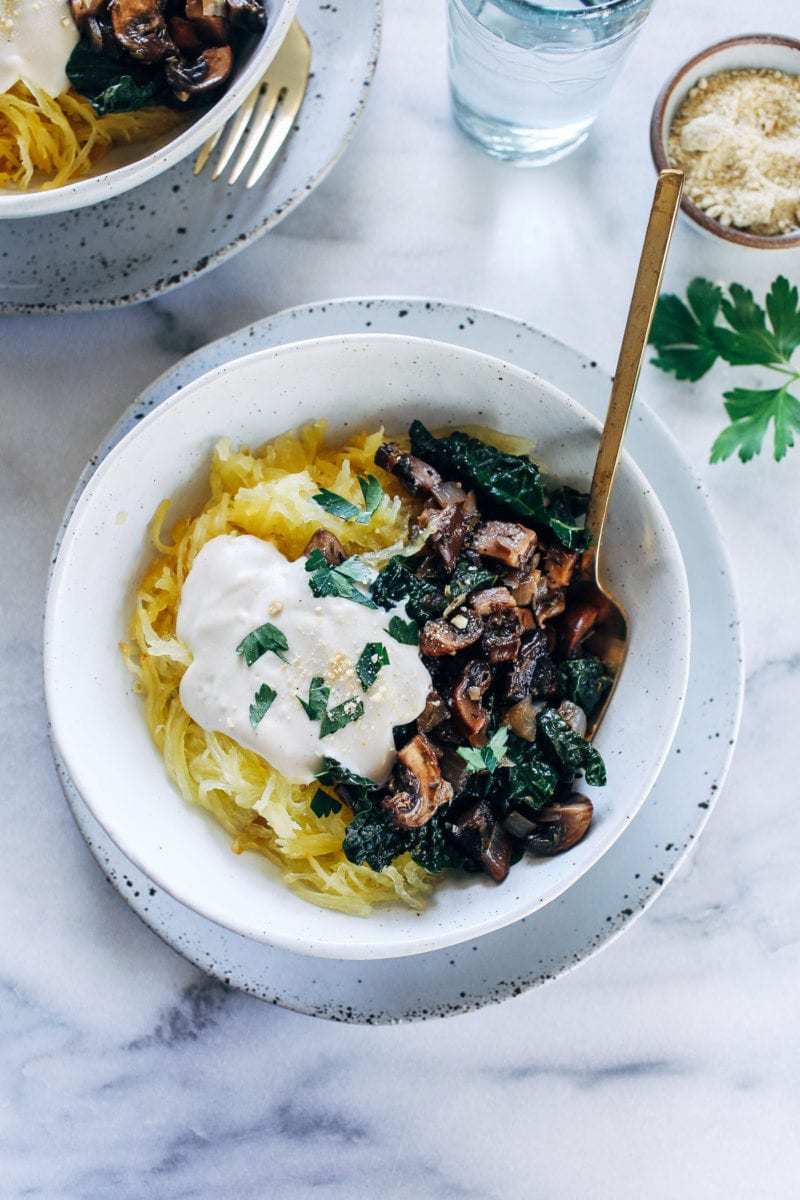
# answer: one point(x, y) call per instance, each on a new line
point(527, 80)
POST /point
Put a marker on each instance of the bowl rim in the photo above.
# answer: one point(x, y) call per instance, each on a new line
point(740, 237)
point(328, 945)
point(95, 189)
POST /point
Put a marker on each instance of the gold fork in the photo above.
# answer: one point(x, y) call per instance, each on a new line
point(265, 118)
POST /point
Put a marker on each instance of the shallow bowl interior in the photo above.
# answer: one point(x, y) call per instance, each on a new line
point(755, 50)
point(126, 167)
point(358, 382)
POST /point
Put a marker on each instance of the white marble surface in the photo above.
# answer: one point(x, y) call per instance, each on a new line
point(666, 1066)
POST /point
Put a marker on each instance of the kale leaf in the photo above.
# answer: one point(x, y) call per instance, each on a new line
point(398, 582)
point(573, 752)
point(583, 681)
point(115, 86)
point(512, 481)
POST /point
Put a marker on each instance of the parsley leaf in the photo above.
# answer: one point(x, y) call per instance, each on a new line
point(406, 632)
point(690, 339)
point(488, 757)
point(322, 805)
point(372, 492)
point(339, 716)
point(261, 641)
point(262, 703)
point(750, 412)
point(327, 580)
point(335, 504)
point(371, 659)
point(317, 702)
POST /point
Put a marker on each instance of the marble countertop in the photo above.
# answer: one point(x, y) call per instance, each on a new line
point(667, 1065)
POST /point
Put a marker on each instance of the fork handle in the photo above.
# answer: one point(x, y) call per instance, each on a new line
point(663, 213)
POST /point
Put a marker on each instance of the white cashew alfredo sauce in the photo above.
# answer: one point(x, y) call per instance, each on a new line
point(238, 584)
point(36, 40)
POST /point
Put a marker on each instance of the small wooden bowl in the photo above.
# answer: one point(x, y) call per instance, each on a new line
point(759, 50)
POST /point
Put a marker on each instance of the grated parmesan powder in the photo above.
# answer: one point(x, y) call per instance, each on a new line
point(737, 138)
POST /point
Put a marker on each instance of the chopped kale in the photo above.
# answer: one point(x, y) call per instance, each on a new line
point(114, 86)
point(512, 481)
point(398, 582)
point(573, 752)
point(583, 681)
point(566, 506)
point(531, 778)
point(468, 577)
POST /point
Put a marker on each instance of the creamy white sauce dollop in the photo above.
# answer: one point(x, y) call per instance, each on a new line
point(36, 40)
point(237, 584)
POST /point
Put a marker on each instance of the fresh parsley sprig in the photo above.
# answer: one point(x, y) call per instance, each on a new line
point(689, 339)
point(338, 506)
point(267, 638)
point(327, 580)
point(488, 757)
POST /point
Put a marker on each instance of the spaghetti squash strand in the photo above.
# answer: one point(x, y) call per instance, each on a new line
point(48, 142)
point(266, 492)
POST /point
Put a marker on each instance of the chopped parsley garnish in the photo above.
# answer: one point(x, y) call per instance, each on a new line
point(261, 703)
point(322, 805)
point(488, 757)
point(261, 641)
point(338, 506)
point(406, 632)
point(342, 714)
point(689, 339)
point(317, 703)
point(372, 658)
point(327, 580)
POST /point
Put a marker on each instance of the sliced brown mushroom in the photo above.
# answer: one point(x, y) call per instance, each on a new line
point(83, 9)
point(551, 605)
point(446, 529)
point(434, 713)
point(490, 602)
point(533, 673)
point(140, 28)
point(202, 74)
point(559, 565)
point(440, 636)
point(185, 36)
point(418, 476)
point(502, 637)
point(421, 789)
point(561, 826)
point(247, 14)
point(481, 837)
point(328, 544)
point(521, 717)
point(578, 622)
point(505, 541)
point(468, 711)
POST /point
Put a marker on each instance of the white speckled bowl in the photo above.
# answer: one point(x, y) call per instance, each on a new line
point(774, 52)
point(358, 381)
point(126, 167)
